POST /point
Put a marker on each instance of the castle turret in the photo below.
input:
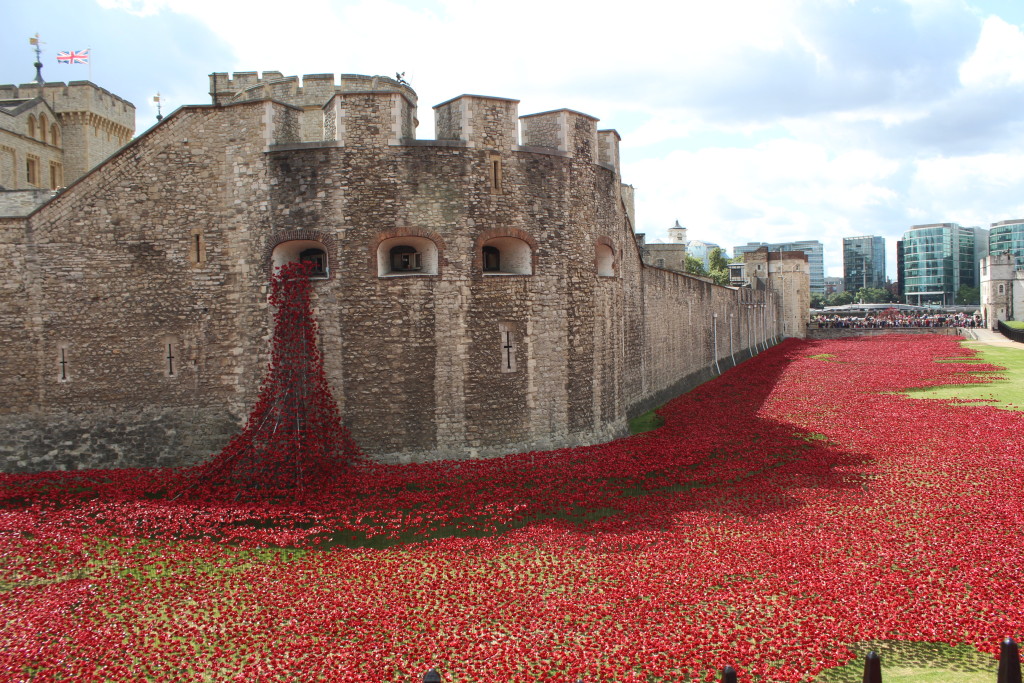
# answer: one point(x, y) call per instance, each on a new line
point(369, 119)
point(564, 130)
point(677, 233)
point(483, 122)
point(608, 149)
point(51, 134)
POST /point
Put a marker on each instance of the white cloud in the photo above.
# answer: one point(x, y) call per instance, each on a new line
point(971, 190)
point(998, 59)
point(140, 8)
point(756, 119)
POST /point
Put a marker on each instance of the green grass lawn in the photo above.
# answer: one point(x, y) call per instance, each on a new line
point(645, 423)
point(904, 662)
point(1007, 393)
point(1015, 324)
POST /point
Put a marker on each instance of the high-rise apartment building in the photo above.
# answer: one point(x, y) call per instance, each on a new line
point(813, 249)
point(1008, 237)
point(863, 262)
point(939, 259)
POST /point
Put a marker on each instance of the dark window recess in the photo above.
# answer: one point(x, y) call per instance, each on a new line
point(405, 258)
point(492, 259)
point(319, 260)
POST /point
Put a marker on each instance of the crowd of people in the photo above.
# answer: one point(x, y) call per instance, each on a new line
point(894, 318)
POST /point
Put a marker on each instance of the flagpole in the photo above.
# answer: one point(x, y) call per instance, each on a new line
point(89, 51)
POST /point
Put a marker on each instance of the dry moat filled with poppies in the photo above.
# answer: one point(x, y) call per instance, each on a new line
point(799, 505)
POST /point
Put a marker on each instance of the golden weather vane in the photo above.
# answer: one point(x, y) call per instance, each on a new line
point(37, 42)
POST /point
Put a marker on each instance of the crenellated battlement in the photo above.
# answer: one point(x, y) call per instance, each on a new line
point(76, 96)
point(357, 110)
point(309, 90)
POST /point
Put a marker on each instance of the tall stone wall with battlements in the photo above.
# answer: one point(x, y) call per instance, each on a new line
point(136, 326)
point(95, 123)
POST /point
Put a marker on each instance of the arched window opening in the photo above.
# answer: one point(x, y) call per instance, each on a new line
point(406, 256)
point(507, 256)
point(42, 127)
point(309, 251)
point(55, 135)
point(31, 126)
point(1001, 290)
point(605, 261)
point(492, 259)
point(318, 257)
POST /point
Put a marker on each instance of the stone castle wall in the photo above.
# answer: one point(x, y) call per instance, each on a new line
point(94, 124)
point(21, 202)
point(136, 326)
point(17, 146)
point(108, 285)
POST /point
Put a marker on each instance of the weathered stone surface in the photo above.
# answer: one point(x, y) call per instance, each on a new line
point(135, 324)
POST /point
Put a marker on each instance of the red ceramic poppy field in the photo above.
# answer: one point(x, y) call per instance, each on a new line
point(792, 507)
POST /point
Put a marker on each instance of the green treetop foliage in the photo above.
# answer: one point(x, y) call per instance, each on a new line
point(717, 260)
point(872, 295)
point(839, 299)
point(694, 266)
point(968, 296)
point(719, 266)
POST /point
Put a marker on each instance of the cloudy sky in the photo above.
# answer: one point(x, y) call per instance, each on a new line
point(767, 120)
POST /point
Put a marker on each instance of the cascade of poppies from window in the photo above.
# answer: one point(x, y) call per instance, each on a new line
point(294, 444)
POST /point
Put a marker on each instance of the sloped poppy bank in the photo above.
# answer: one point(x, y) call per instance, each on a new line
point(789, 508)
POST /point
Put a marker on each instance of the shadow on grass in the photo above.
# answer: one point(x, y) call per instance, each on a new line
point(917, 662)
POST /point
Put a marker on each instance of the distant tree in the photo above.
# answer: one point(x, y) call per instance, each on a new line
point(717, 260)
point(839, 299)
point(968, 296)
point(694, 266)
point(719, 266)
point(873, 295)
point(817, 300)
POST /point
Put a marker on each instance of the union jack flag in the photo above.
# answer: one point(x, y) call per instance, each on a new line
point(73, 57)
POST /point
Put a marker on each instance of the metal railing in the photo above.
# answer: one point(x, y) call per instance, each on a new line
point(1009, 667)
point(1010, 333)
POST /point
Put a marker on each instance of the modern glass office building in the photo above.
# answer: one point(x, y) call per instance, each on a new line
point(1008, 236)
point(863, 262)
point(938, 259)
point(813, 249)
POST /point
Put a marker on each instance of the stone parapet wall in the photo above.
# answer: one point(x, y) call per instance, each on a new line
point(136, 326)
point(694, 330)
point(114, 320)
point(22, 202)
